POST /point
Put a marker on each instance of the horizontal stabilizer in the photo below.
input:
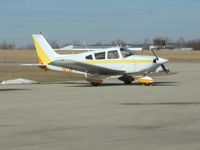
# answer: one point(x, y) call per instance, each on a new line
point(70, 47)
point(34, 65)
point(79, 49)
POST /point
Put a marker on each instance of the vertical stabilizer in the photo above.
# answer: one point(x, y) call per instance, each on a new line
point(44, 51)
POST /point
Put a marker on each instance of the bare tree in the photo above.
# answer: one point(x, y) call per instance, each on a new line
point(54, 44)
point(119, 42)
point(195, 44)
point(160, 42)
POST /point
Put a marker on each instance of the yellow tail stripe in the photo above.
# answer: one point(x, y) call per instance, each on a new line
point(42, 57)
point(41, 52)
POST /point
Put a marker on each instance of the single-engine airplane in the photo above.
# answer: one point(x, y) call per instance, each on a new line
point(97, 65)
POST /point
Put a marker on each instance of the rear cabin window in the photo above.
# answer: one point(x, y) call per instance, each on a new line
point(89, 57)
point(100, 55)
point(113, 54)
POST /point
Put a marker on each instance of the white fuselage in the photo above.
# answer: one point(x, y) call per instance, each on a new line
point(134, 64)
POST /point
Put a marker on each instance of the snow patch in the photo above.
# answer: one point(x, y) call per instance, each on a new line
point(18, 81)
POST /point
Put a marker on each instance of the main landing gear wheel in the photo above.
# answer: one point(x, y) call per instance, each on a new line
point(126, 79)
point(94, 82)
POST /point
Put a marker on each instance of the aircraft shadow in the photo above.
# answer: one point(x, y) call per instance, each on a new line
point(161, 103)
point(102, 85)
point(12, 89)
point(165, 84)
point(75, 84)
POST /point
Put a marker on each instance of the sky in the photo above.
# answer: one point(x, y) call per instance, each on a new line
point(92, 21)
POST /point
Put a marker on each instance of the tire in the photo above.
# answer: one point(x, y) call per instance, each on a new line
point(127, 82)
point(126, 79)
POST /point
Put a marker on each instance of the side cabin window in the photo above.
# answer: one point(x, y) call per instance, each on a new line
point(100, 55)
point(113, 54)
point(126, 53)
point(89, 57)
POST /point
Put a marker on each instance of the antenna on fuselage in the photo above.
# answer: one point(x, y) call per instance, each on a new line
point(85, 45)
point(115, 42)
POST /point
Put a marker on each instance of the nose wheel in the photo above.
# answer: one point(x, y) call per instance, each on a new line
point(145, 81)
point(126, 79)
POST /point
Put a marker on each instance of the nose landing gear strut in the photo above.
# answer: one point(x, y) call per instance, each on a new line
point(126, 79)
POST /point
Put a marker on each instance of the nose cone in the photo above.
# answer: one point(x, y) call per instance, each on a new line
point(161, 61)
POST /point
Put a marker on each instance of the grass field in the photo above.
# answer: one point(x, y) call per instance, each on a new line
point(178, 56)
point(10, 68)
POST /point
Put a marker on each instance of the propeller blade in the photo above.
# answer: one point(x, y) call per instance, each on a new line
point(164, 68)
point(154, 54)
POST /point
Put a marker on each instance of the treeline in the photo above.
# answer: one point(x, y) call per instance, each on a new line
point(8, 45)
point(180, 43)
point(195, 44)
point(158, 41)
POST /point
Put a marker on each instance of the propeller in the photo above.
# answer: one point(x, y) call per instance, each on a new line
point(164, 68)
point(162, 65)
point(154, 54)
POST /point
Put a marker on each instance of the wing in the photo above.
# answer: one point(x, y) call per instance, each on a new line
point(85, 67)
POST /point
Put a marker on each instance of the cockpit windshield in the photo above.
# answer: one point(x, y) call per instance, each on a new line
point(126, 52)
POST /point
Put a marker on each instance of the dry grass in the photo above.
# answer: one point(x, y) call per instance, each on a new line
point(178, 56)
point(10, 68)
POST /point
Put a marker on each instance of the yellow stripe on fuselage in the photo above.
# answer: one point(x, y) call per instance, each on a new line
point(118, 61)
point(41, 53)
